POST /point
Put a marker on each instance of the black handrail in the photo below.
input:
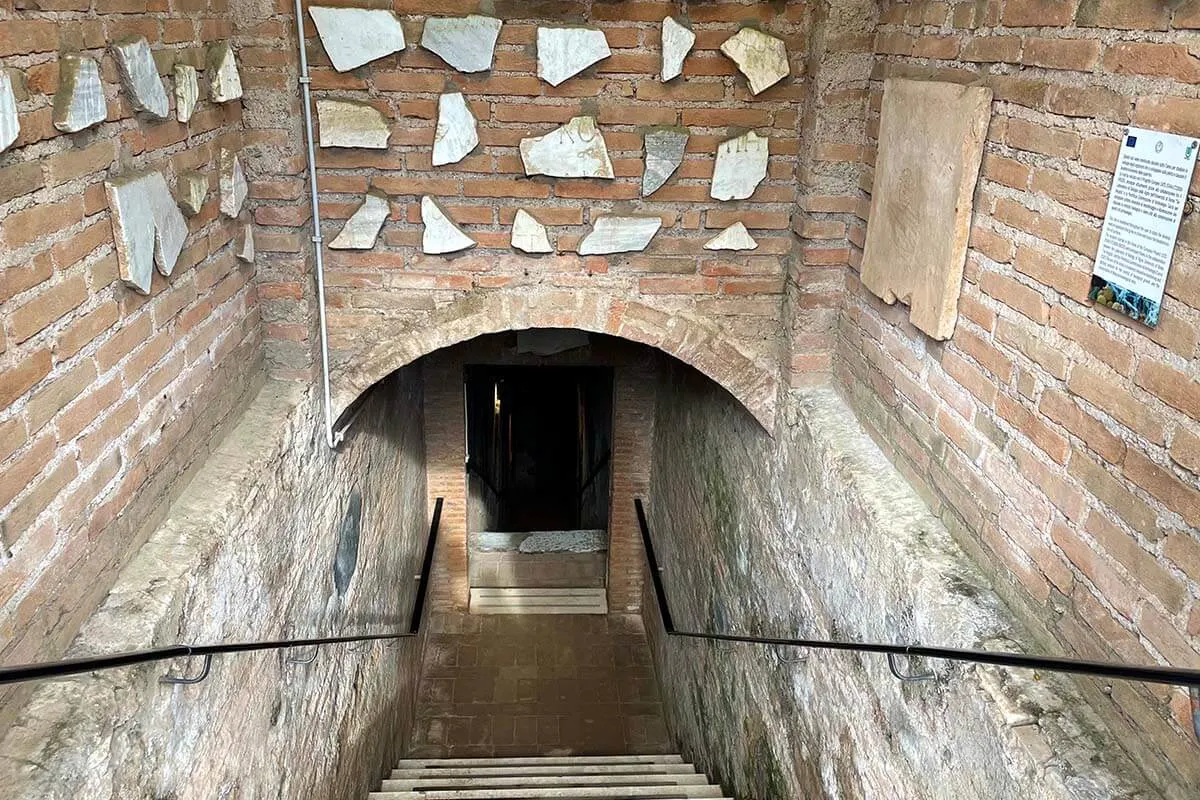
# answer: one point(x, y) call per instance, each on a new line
point(76, 666)
point(1174, 676)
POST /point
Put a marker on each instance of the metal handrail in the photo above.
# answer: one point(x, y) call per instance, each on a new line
point(1174, 676)
point(76, 666)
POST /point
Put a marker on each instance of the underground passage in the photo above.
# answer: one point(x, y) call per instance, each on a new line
point(599, 399)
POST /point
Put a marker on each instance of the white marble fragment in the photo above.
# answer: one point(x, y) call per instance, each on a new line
point(350, 123)
point(677, 41)
point(10, 124)
point(139, 76)
point(79, 102)
point(356, 36)
point(619, 235)
point(574, 150)
point(741, 166)
point(245, 244)
point(762, 58)
point(466, 43)
point(441, 234)
point(224, 82)
point(664, 154)
point(565, 52)
point(187, 91)
point(361, 230)
point(529, 235)
point(735, 237)
point(233, 184)
point(193, 191)
point(148, 228)
point(457, 133)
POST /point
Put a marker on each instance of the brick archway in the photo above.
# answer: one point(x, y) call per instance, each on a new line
point(699, 344)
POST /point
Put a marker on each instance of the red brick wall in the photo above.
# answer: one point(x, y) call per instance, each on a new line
point(1061, 440)
point(393, 291)
point(106, 396)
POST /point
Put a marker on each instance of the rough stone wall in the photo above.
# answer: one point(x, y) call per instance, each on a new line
point(394, 293)
point(813, 533)
point(1059, 442)
point(107, 397)
point(247, 553)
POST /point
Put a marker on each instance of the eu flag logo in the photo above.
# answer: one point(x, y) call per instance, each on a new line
point(1131, 141)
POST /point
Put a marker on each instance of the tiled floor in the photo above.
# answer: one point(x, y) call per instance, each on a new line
point(510, 685)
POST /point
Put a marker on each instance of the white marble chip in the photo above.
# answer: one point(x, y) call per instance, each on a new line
point(664, 154)
point(362, 229)
point(441, 234)
point(677, 42)
point(574, 150)
point(762, 58)
point(529, 235)
point(466, 43)
point(192, 189)
point(140, 78)
point(356, 36)
point(187, 91)
point(224, 81)
point(351, 123)
point(245, 244)
point(457, 132)
point(10, 123)
point(735, 237)
point(233, 184)
point(613, 234)
point(741, 166)
point(148, 228)
point(565, 52)
point(79, 102)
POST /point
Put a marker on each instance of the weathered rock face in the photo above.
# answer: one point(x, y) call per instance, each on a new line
point(457, 133)
point(441, 234)
point(79, 102)
point(148, 228)
point(10, 125)
point(187, 91)
point(140, 79)
point(575, 150)
point(741, 166)
point(247, 553)
point(619, 235)
point(466, 43)
point(762, 58)
point(565, 52)
point(193, 191)
point(224, 81)
point(735, 237)
point(352, 37)
point(233, 184)
point(361, 230)
point(664, 154)
point(814, 533)
point(677, 42)
point(529, 235)
point(349, 123)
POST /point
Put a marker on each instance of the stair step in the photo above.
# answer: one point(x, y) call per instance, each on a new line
point(427, 783)
point(575, 792)
point(538, 601)
point(536, 761)
point(536, 770)
point(510, 591)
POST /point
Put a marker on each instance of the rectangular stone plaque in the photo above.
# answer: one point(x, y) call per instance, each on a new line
point(930, 147)
point(1145, 204)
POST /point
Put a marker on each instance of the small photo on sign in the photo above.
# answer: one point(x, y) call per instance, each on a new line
point(1145, 205)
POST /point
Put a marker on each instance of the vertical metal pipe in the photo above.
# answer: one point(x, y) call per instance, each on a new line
point(306, 101)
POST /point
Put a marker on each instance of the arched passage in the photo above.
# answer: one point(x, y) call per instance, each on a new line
point(695, 342)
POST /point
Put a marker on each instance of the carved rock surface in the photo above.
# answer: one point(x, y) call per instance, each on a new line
point(79, 102)
point(677, 41)
point(356, 36)
point(192, 191)
point(349, 123)
point(148, 228)
point(741, 166)
point(664, 154)
point(565, 52)
point(245, 244)
point(529, 235)
point(361, 230)
point(233, 184)
point(441, 234)
point(457, 133)
point(619, 235)
point(187, 91)
point(735, 237)
point(10, 124)
point(224, 82)
point(140, 78)
point(574, 150)
point(762, 58)
point(466, 43)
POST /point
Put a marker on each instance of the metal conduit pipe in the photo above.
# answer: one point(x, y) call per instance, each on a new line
point(332, 438)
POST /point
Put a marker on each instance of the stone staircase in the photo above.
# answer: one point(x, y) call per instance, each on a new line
point(526, 600)
point(576, 777)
